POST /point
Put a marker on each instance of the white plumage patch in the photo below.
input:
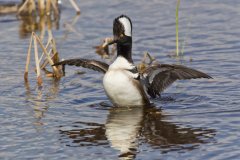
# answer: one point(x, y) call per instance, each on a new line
point(127, 26)
point(119, 86)
point(121, 63)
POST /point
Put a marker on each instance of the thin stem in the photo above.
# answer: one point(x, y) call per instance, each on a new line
point(39, 79)
point(48, 7)
point(55, 7)
point(48, 43)
point(55, 70)
point(75, 6)
point(28, 59)
point(41, 7)
point(45, 62)
point(177, 8)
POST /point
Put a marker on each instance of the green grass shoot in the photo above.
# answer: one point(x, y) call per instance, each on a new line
point(177, 44)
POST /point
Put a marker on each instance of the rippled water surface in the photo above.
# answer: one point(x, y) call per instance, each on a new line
point(73, 119)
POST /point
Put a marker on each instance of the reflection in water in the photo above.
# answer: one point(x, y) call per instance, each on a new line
point(40, 99)
point(126, 128)
point(168, 136)
point(29, 24)
point(70, 26)
point(8, 8)
point(122, 129)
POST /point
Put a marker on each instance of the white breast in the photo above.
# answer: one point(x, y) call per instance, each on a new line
point(119, 84)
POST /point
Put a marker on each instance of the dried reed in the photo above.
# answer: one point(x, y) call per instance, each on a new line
point(47, 57)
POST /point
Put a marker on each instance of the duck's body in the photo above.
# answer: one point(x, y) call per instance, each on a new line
point(122, 82)
point(122, 85)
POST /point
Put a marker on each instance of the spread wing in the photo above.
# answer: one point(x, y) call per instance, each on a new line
point(91, 64)
point(159, 76)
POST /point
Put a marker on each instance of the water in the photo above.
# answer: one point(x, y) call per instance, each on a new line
point(66, 119)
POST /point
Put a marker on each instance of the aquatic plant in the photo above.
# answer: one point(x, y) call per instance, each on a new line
point(49, 56)
point(45, 7)
point(177, 9)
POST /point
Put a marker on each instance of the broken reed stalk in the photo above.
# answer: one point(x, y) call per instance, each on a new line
point(55, 6)
point(48, 7)
point(52, 50)
point(50, 36)
point(51, 58)
point(177, 46)
point(145, 64)
point(45, 62)
point(28, 59)
point(39, 78)
point(53, 44)
point(41, 7)
point(42, 26)
point(27, 8)
point(75, 6)
point(55, 70)
point(48, 43)
point(45, 7)
point(151, 58)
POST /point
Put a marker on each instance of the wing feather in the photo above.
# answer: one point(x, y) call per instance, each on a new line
point(159, 76)
point(91, 64)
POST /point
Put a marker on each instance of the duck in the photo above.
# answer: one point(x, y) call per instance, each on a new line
point(123, 83)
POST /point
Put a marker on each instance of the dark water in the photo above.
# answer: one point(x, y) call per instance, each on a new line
point(66, 119)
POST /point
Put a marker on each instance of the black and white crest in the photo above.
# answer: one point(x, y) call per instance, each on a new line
point(122, 25)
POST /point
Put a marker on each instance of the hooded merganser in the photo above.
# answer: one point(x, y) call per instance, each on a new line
point(123, 83)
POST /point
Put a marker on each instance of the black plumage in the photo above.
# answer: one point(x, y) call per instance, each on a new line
point(91, 64)
point(158, 77)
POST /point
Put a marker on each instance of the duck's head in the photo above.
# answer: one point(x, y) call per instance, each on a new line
point(122, 26)
point(122, 29)
point(122, 32)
